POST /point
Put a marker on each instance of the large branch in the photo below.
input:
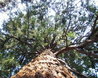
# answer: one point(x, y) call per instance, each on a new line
point(78, 48)
point(86, 42)
point(18, 39)
point(66, 49)
point(87, 53)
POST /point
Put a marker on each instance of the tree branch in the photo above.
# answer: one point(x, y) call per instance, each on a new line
point(3, 42)
point(87, 53)
point(63, 50)
point(94, 25)
point(66, 49)
point(93, 28)
point(52, 44)
point(73, 70)
point(86, 42)
point(18, 39)
point(78, 74)
point(92, 37)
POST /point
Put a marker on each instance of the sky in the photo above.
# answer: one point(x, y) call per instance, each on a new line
point(4, 15)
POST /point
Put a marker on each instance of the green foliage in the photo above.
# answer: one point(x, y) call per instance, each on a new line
point(7, 65)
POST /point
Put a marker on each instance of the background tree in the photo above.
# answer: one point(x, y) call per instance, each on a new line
point(67, 27)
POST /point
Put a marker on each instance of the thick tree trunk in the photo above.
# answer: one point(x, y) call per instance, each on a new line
point(46, 65)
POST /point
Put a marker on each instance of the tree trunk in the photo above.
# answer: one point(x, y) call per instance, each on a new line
point(46, 65)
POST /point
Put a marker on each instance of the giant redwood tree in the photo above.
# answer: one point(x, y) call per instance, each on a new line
point(49, 39)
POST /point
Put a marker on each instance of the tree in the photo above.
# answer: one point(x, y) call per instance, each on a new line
point(69, 32)
point(44, 66)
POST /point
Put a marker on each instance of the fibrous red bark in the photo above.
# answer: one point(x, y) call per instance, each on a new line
point(46, 65)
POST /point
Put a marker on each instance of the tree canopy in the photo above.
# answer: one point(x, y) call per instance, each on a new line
point(67, 27)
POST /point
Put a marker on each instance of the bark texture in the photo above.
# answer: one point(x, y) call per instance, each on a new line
point(46, 65)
